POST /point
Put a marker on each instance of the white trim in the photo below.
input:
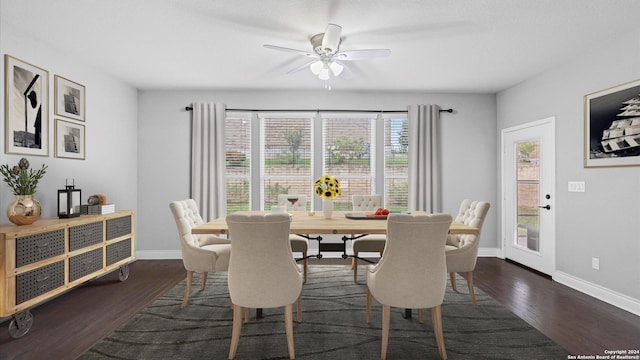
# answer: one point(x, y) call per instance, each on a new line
point(158, 254)
point(488, 252)
point(614, 298)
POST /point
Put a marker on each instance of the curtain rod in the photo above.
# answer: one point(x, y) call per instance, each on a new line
point(189, 108)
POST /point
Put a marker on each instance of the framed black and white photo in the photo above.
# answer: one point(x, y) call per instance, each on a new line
point(612, 126)
point(26, 108)
point(69, 98)
point(70, 140)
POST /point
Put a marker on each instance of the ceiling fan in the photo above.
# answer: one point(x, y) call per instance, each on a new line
point(326, 57)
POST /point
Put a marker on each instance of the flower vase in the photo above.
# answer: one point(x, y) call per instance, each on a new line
point(327, 208)
point(24, 210)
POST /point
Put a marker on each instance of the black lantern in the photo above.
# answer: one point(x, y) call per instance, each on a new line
point(69, 201)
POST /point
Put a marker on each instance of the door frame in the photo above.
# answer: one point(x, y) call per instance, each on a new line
point(504, 207)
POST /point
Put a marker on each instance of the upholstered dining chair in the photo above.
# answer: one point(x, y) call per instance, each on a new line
point(368, 243)
point(200, 253)
point(298, 243)
point(412, 271)
point(262, 270)
point(462, 250)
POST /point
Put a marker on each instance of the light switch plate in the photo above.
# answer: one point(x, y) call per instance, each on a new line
point(576, 186)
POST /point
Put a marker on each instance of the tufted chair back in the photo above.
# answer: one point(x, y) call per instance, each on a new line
point(366, 202)
point(301, 204)
point(462, 250)
point(187, 216)
point(200, 253)
point(471, 213)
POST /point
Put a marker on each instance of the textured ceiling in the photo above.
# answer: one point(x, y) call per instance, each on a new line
point(446, 45)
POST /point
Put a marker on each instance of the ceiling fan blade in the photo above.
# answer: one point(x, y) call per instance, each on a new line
point(301, 67)
point(351, 55)
point(295, 51)
point(331, 38)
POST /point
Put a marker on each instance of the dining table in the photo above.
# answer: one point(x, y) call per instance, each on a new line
point(352, 225)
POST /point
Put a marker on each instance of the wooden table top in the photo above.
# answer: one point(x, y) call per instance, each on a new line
point(339, 224)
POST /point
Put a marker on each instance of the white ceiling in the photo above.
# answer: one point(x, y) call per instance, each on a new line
point(436, 45)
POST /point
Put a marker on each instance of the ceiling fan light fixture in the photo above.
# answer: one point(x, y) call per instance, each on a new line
point(315, 67)
point(331, 38)
point(324, 73)
point(336, 68)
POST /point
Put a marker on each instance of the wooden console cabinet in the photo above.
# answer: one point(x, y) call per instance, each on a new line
point(51, 256)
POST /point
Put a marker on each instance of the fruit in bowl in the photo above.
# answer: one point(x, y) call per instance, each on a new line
point(381, 212)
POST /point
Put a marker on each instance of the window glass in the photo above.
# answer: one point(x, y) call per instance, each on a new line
point(284, 152)
point(287, 157)
point(396, 164)
point(238, 161)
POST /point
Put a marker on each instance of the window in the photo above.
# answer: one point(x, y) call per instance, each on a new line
point(270, 154)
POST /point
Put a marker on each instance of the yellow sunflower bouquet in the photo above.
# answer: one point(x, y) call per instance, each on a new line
point(327, 187)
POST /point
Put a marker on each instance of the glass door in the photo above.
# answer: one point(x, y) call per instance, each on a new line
point(528, 185)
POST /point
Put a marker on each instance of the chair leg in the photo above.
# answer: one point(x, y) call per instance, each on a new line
point(246, 312)
point(436, 318)
point(452, 276)
point(235, 332)
point(421, 316)
point(386, 318)
point(354, 265)
point(288, 324)
point(204, 280)
point(299, 308)
point(368, 305)
point(187, 290)
point(469, 277)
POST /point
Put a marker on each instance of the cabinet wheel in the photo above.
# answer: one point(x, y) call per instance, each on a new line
point(124, 272)
point(20, 324)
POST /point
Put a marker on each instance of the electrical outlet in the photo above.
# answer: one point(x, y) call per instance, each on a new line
point(576, 186)
point(595, 263)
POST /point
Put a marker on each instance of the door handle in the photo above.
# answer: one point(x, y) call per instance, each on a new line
point(548, 207)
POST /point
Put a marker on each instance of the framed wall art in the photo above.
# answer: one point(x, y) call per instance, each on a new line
point(612, 126)
point(69, 98)
point(26, 108)
point(70, 140)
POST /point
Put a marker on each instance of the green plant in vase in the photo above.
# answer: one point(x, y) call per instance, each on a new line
point(23, 182)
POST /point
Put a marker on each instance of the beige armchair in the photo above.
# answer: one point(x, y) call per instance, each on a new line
point(262, 270)
point(412, 271)
point(462, 250)
point(368, 243)
point(298, 243)
point(200, 253)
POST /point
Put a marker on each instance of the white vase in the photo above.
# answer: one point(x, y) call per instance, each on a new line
point(327, 208)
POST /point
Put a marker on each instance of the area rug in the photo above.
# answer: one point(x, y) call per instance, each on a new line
point(333, 327)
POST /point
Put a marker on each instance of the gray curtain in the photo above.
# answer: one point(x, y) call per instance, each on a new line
point(208, 160)
point(424, 163)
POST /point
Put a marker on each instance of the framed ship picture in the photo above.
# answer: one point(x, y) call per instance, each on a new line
point(26, 108)
point(612, 126)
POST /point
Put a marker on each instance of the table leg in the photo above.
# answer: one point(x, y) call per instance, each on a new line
point(407, 314)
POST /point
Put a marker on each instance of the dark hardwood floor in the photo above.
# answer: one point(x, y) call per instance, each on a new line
point(68, 325)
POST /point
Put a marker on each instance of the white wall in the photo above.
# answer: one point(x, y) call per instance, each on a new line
point(469, 147)
point(602, 222)
point(110, 166)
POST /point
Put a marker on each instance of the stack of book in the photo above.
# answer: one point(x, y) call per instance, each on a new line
point(97, 209)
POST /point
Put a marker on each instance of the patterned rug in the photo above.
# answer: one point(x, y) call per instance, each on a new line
point(333, 327)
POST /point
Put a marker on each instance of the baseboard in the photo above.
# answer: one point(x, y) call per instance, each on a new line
point(488, 252)
point(601, 293)
point(158, 254)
